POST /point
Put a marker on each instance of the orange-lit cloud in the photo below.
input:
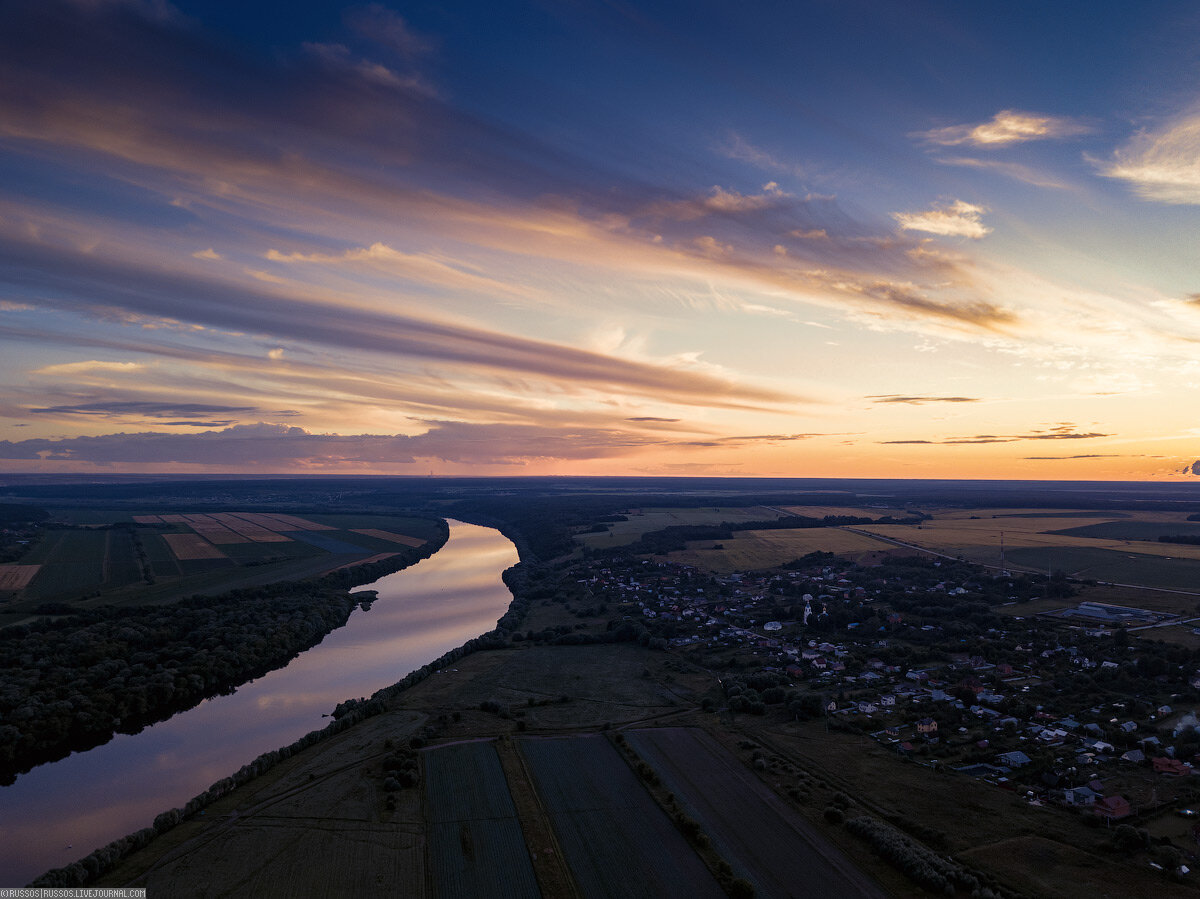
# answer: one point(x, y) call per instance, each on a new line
point(1162, 165)
point(956, 219)
point(1007, 127)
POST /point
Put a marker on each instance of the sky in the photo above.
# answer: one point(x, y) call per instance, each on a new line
point(811, 239)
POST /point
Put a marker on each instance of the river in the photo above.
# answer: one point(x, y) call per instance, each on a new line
point(59, 812)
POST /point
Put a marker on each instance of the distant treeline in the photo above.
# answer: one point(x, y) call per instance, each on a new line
point(1189, 539)
point(70, 684)
point(17, 513)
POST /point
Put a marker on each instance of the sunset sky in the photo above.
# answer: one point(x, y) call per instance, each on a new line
point(811, 239)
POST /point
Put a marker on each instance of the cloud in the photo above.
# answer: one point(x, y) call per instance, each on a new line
point(144, 409)
point(1081, 456)
point(87, 367)
point(353, 150)
point(421, 267)
point(1193, 469)
point(382, 26)
point(654, 418)
point(1014, 170)
point(737, 147)
point(273, 447)
point(1058, 432)
point(1007, 127)
point(957, 219)
point(920, 400)
point(1162, 165)
point(85, 283)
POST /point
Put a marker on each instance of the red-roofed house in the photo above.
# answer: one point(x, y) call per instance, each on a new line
point(1113, 807)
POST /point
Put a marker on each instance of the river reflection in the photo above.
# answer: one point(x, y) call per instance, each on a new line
point(59, 812)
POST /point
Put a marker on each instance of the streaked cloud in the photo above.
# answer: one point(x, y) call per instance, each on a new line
point(1162, 165)
point(956, 219)
point(1059, 432)
point(1007, 127)
point(1013, 170)
point(921, 400)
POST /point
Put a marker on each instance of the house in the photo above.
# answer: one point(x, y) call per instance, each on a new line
point(1129, 727)
point(1014, 759)
point(1174, 767)
point(1134, 755)
point(1079, 796)
point(1112, 807)
point(927, 726)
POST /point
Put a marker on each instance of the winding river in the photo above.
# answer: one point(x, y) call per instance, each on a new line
point(59, 812)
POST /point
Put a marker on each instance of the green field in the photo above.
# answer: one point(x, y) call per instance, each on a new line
point(1113, 566)
point(122, 567)
point(616, 839)
point(72, 564)
point(1133, 530)
point(476, 847)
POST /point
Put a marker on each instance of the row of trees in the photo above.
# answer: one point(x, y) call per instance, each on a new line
point(69, 684)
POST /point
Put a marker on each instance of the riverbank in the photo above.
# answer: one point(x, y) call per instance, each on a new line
point(94, 798)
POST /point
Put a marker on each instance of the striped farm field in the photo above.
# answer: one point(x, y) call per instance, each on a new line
point(389, 536)
point(378, 557)
point(615, 838)
point(276, 521)
point(766, 841)
point(192, 546)
point(239, 525)
point(476, 846)
point(72, 561)
point(17, 577)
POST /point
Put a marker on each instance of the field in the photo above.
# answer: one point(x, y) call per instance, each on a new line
point(72, 563)
point(16, 577)
point(192, 546)
point(192, 553)
point(1084, 544)
point(476, 847)
point(750, 550)
point(767, 842)
point(616, 840)
point(389, 536)
point(640, 522)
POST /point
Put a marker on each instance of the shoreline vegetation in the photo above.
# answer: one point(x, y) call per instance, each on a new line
point(345, 715)
point(73, 683)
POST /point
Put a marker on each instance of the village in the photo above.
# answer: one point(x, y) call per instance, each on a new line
point(934, 660)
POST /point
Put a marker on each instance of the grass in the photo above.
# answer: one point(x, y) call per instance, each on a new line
point(749, 550)
point(616, 839)
point(640, 522)
point(1119, 567)
point(476, 847)
point(72, 564)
